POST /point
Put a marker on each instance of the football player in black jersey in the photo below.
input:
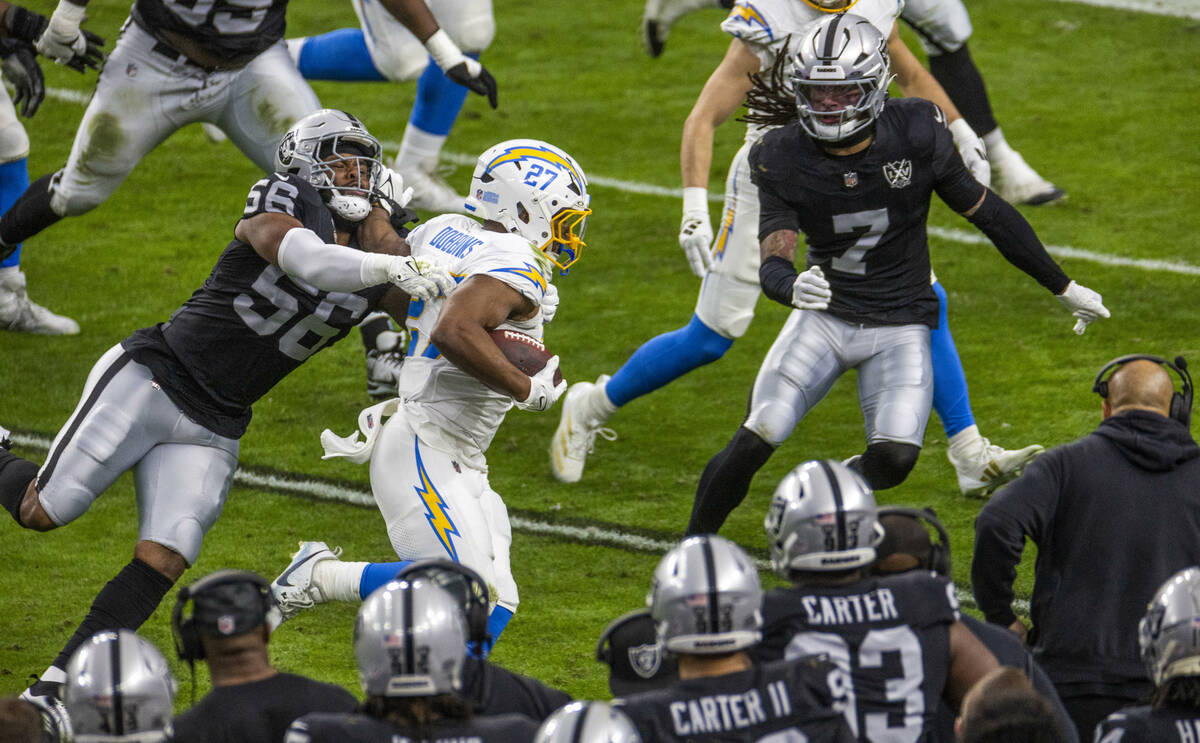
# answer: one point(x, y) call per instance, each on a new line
point(410, 641)
point(1170, 648)
point(171, 401)
point(899, 637)
point(854, 172)
point(706, 602)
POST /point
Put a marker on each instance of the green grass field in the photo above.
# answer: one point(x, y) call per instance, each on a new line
point(1100, 101)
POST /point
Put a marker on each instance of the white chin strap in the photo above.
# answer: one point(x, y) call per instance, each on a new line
point(351, 208)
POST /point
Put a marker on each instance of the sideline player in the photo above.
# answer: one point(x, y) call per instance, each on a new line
point(898, 637)
point(865, 302)
point(171, 401)
point(943, 27)
point(428, 469)
point(729, 265)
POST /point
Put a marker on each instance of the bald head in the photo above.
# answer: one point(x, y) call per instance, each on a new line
point(1139, 385)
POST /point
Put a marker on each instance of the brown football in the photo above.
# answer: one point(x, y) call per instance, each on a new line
point(524, 351)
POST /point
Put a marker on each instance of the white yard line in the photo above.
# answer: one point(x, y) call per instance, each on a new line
point(1177, 8)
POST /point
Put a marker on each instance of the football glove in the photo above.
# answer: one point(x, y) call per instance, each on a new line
point(66, 43)
point(1086, 305)
point(460, 68)
point(391, 187)
point(21, 69)
point(695, 231)
point(811, 290)
point(549, 303)
point(419, 279)
point(972, 150)
point(543, 392)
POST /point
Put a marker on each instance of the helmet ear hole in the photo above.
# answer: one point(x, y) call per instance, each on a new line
point(522, 212)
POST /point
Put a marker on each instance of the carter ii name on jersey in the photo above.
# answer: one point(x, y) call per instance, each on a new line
point(721, 712)
point(873, 606)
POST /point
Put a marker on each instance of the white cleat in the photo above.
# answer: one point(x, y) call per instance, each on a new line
point(990, 467)
point(430, 191)
point(293, 589)
point(1018, 183)
point(56, 723)
point(659, 15)
point(576, 434)
point(20, 314)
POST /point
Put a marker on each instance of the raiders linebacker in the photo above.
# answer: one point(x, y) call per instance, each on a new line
point(410, 641)
point(706, 601)
point(855, 174)
point(428, 469)
point(898, 637)
point(172, 400)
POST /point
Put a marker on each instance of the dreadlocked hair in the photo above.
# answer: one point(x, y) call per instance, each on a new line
point(414, 716)
point(1181, 691)
point(770, 101)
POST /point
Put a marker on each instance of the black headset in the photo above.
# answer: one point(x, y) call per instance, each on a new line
point(244, 617)
point(1181, 401)
point(477, 603)
point(939, 554)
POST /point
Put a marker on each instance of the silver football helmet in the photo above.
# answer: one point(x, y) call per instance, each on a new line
point(587, 722)
point(840, 74)
point(706, 598)
point(822, 517)
point(1168, 634)
point(537, 191)
point(319, 144)
point(410, 640)
point(119, 688)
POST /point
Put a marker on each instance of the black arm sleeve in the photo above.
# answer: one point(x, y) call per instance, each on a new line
point(1017, 242)
point(776, 275)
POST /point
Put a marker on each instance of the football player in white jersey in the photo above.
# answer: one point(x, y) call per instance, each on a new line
point(428, 470)
point(729, 264)
point(943, 28)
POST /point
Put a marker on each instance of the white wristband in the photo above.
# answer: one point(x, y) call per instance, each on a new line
point(374, 268)
point(68, 12)
point(960, 130)
point(443, 49)
point(695, 199)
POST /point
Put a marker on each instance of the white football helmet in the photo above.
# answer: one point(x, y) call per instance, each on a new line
point(840, 73)
point(822, 518)
point(119, 689)
point(315, 144)
point(410, 640)
point(537, 191)
point(1167, 634)
point(706, 598)
point(587, 722)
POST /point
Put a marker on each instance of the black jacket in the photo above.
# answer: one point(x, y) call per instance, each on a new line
point(1113, 515)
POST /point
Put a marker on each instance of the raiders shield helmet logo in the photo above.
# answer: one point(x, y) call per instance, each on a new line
point(898, 173)
point(645, 659)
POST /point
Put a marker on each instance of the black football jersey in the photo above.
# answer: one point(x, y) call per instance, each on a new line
point(250, 324)
point(804, 696)
point(863, 215)
point(236, 30)
point(495, 690)
point(1167, 724)
point(326, 728)
point(891, 634)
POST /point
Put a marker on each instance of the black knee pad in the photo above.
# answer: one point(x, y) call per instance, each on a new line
point(885, 464)
point(15, 476)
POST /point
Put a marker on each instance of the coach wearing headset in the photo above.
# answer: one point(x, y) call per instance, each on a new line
point(1113, 515)
point(250, 701)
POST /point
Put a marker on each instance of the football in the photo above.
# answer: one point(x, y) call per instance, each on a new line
point(524, 351)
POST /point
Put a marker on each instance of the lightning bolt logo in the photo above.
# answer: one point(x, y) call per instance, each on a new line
point(525, 152)
point(528, 272)
point(749, 14)
point(435, 508)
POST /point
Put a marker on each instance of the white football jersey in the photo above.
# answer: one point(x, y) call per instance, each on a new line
point(456, 412)
point(766, 26)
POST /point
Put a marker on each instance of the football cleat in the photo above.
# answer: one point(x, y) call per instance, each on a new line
point(659, 15)
point(430, 191)
point(293, 589)
point(46, 696)
point(990, 466)
point(576, 434)
point(20, 314)
point(1017, 182)
point(383, 373)
point(213, 133)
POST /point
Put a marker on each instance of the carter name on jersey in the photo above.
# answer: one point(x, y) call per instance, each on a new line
point(872, 606)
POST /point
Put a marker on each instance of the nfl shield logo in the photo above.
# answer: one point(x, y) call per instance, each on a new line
point(850, 179)
point(645, 659)
point(898, 174)
point(225, 624)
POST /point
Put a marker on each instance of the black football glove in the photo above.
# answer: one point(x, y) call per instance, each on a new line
point(92, 55)
point(472, 75)
point(21, 69)
point(25, 24)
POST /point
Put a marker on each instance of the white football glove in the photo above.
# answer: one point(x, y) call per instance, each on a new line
point(1086, 305)
point(695, 231)
point(549, 303)
point(62, 40)
point(419, 279)
point(811, 290)
point(972, 150)
point(391, 186)
point(543, 393)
